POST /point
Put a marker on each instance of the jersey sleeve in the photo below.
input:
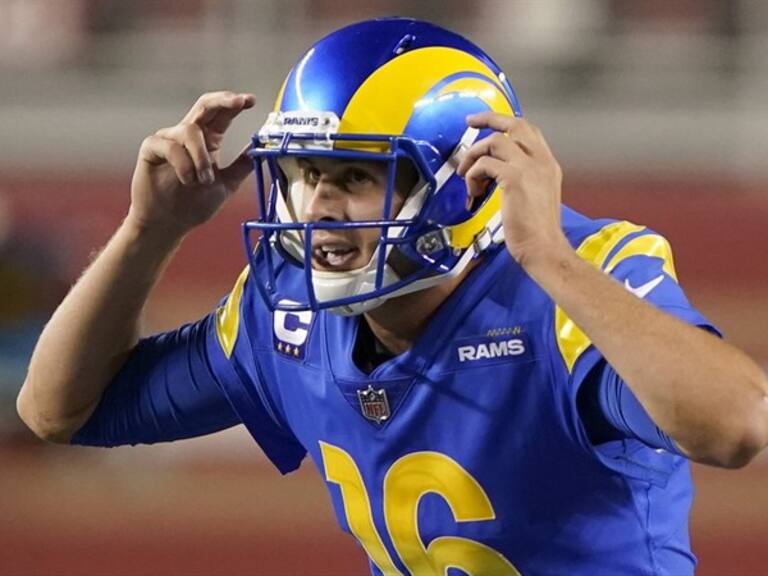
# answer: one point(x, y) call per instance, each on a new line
point(641, 260)
point(610, 410)
point(165, 391)
point(193, 381)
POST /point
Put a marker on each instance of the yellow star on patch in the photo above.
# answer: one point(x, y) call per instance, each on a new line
point(280, 346)
point(287, 348)
point(296, 352)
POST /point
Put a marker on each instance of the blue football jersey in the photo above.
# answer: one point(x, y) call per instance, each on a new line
point(467, 453)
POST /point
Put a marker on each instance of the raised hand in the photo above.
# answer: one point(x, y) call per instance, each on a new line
point(178, 183)
point(518, 159)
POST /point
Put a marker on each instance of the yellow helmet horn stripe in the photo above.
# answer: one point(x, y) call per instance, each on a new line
point(383, 104)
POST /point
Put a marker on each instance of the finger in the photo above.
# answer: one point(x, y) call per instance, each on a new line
point(529, 137)
point(156, 150)
point(540, 138)
point(223, 119)
point(481, 174)
point(218, 108)
point(494, 121)
point(234, 174)
point(497, 145)
point(192, 138)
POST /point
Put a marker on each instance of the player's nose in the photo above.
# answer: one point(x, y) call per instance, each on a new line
point(324, 201)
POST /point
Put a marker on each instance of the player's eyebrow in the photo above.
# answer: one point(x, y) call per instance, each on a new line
point(368, 166)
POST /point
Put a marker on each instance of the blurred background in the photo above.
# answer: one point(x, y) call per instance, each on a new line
point(656, 110)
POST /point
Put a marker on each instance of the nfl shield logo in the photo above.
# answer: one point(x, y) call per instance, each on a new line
point(374, 404)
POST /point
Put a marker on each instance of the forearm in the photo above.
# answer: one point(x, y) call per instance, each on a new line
point(91, 333)
point(707, 395)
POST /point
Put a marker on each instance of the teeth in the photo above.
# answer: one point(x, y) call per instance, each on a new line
point(335, 259)
point(334, 255)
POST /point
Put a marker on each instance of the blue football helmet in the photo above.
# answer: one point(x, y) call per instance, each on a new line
point(387, 90)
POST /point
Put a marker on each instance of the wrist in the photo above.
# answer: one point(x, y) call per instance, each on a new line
point(159, 236)
point(153, 245)
point(551, 264)
point(545, 257)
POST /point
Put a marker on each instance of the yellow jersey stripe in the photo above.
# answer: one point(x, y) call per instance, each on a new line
point(228, 316)
point(571, 340)
point(648, 245)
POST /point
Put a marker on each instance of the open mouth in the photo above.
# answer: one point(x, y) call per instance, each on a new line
point(331, 257)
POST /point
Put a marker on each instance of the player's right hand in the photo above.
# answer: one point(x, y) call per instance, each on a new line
point(178, 183)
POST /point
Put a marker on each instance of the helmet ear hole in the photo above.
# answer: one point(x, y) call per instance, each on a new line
point(474, 202)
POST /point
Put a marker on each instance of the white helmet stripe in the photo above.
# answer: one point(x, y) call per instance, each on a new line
point(416, 200)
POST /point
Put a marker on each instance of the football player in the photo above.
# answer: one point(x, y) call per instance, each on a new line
point(488, 381)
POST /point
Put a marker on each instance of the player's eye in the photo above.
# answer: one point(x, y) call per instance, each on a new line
point(357, 176)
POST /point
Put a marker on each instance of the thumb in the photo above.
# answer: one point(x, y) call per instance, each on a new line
point(234, 174)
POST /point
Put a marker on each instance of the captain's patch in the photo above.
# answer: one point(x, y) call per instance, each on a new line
point(291, 332)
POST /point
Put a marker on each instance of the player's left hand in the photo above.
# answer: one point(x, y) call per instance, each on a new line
point(518, 159)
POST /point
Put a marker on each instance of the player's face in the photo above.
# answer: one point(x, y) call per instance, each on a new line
point(337, 190)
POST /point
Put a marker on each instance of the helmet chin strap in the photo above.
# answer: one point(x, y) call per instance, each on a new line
point(356, 308)
point(333, 285)
point(330, 283)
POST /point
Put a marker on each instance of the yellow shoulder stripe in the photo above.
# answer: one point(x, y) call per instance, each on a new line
point(648, 245)
point(228, 316)
point(595, 248)
point(571, 340)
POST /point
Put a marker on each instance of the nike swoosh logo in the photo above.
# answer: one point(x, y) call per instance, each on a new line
point(644, 289)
